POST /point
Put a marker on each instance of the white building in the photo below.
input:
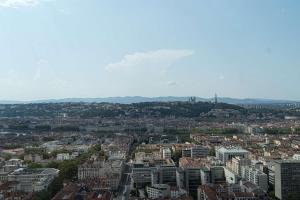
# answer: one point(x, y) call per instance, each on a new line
point(225, 154)
point(231, 177)
point(237, 163)
point(12, 165)
point(63, 156)
point(166, 153)
point(32, 180)
point(296, 157)
point(158, 191)
point(255, 176)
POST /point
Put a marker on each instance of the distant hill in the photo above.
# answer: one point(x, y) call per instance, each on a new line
point(134, 110)
point(139, 99)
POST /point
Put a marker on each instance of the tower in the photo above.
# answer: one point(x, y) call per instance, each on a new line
point(216, 98)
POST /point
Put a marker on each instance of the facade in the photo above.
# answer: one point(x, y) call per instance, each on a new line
point(143, 175)
point(205, 176)
point(231, 177)
point(167, 175)
point(296, 157)
point(191, 170)
point(287, 179)
point(186, 152)
point(196, 151)
point(33, 157)
point(222, 192)
point(158, 191)
point(154, 172)
point(225, 154)
point(217, 174)
point(32, 180)
point(63, 156)
point(109, 172)
point(237, 163)
point(166, 153)
point(199, 151)
point(255, 176)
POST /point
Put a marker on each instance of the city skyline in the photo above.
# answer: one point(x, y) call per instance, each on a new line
point(54, 49)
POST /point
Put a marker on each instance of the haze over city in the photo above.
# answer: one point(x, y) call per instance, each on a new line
point(53, 49)
point(149, 100)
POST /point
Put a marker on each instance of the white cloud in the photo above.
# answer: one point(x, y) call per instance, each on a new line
point(158, 58)
point(221, 77)
point(18, 3)
point(171, 83)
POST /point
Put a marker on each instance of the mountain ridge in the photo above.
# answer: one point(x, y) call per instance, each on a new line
point(139, 99)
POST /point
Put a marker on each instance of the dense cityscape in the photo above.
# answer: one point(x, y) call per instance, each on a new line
point(154, 150)
point(149, 100)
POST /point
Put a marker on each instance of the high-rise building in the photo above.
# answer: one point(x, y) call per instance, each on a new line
point(191, 174)
point(287, 179)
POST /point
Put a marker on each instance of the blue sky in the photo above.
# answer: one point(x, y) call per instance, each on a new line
point(93, 48)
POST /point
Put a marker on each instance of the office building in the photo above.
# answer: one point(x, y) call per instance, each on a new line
point(287, 179)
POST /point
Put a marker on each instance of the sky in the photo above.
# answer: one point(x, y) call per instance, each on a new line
point(102, 48)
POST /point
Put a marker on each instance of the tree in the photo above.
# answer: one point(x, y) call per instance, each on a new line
point(53, 164)
point(68, 169)
point(32, 165)
point(212, 152)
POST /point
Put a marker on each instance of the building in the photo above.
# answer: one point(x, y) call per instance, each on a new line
point(143, 175)
point(63, 156)
point(205, 176)
point(166, 153)
point(255, 176)
point(217, 175)
point(225, 154)
point(237, 163)
point(231, 177)
point(223, 192)
point(167, 173)
point(191, 169)
point(154, 172)
point(164, 191)
point(12, 165)
point(158, 191)
point(249, 187)
point(287, 179)
point(296, 157)
point(197, 151)
point(32, 180)
point(33, 157)
point(109, 172)
point(73, 191)
point(186, 152)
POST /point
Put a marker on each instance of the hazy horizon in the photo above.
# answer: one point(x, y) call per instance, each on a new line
point(146, 97)
point(56, 49)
